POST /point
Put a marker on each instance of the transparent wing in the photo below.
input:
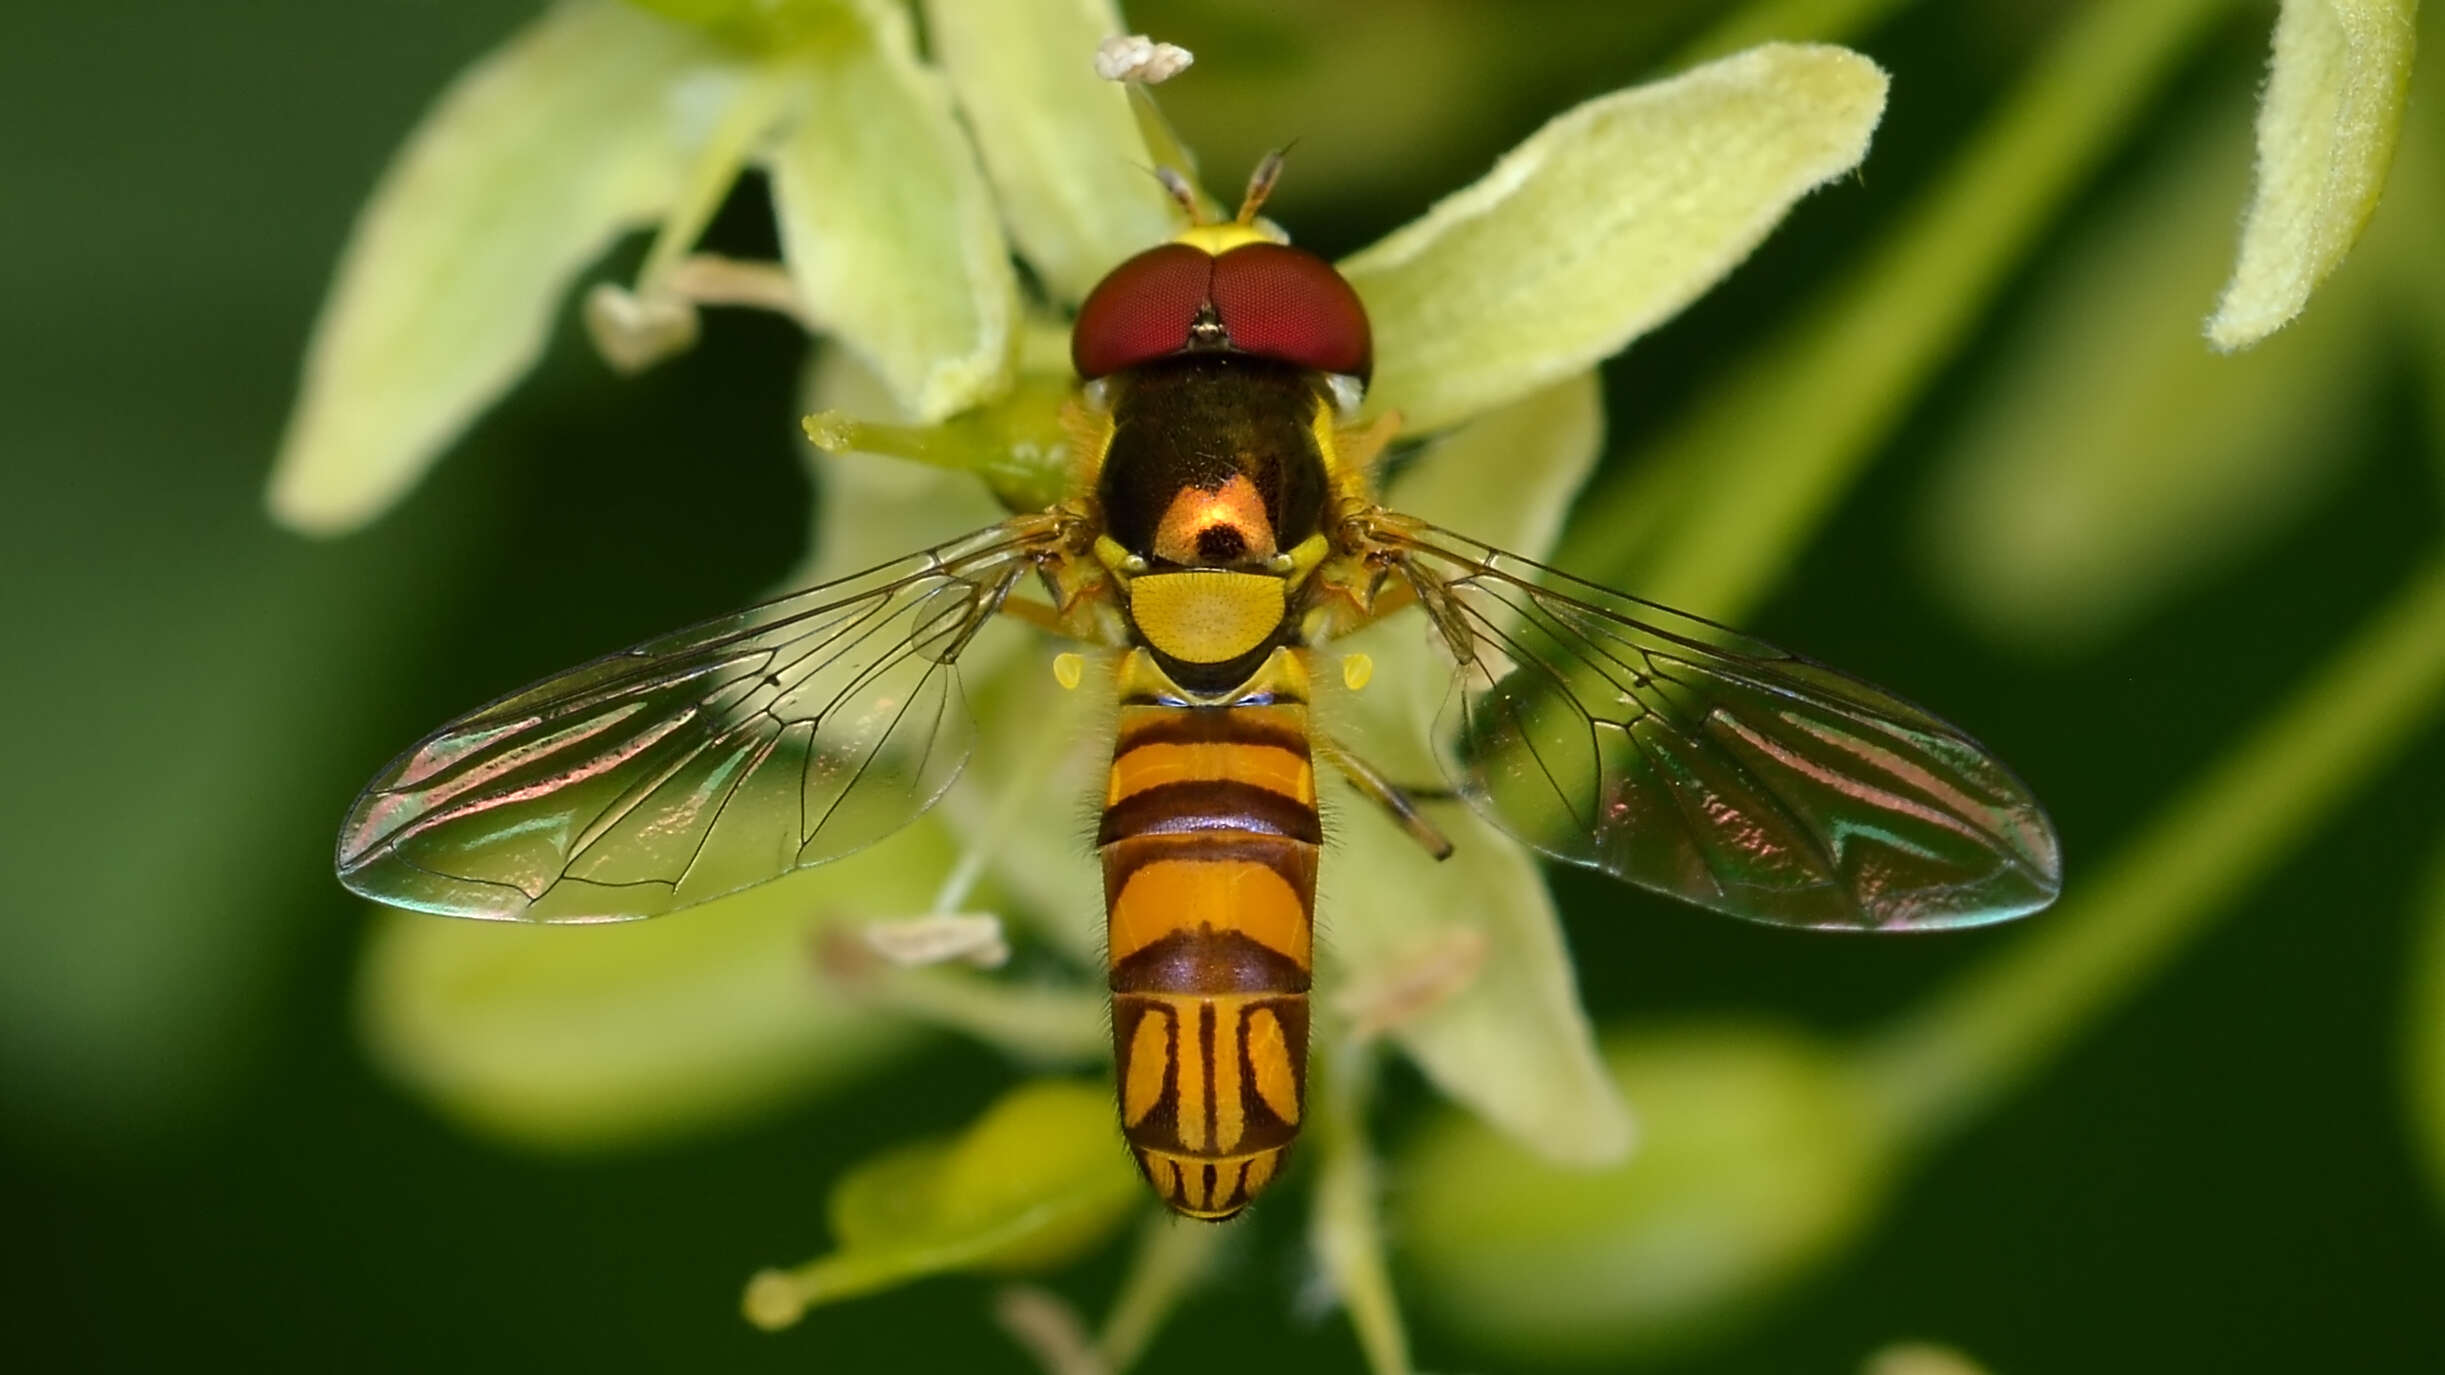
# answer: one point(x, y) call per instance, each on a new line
point(698, 763)
point(1681, 756)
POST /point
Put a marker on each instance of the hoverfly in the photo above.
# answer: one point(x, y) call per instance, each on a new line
point(1219, 525)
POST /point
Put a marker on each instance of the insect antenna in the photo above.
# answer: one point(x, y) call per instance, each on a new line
point(1260, 182)
point(1182, 193)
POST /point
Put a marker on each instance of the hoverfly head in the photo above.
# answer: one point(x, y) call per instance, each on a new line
point(1228, 287)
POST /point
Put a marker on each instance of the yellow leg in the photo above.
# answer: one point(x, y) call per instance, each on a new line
point(1399, 801)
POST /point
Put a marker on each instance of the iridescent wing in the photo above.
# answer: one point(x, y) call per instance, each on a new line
point(1681, 756)
point(698, 763)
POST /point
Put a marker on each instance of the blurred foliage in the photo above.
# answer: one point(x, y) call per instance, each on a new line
point(573, 1037)
point(1031, 1185)
point(2110, 425)
point(1977, 348)
point(2424, 1012)
point(1760, 1154)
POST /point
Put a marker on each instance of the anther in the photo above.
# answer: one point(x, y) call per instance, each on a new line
point(1135, 57)
point(971, 938)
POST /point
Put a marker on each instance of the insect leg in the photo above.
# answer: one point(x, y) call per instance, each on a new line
point(1031, 612)
point(1401, 802)
point(1078, 603)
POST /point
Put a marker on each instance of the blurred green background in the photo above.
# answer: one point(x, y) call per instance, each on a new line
point(202, 1169)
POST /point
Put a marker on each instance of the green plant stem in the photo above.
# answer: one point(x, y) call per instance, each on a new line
point(1944, 1062)
point(1347, 1231)
point(1174, 1256)
point(1713, 516)
point(1040, 1024)
point(1015, 444)
point(753, 109)
point(776, 1298)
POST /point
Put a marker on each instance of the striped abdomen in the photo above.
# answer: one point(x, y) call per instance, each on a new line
point(1209, 843)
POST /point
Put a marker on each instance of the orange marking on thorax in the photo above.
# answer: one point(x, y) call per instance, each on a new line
point(1186, 534)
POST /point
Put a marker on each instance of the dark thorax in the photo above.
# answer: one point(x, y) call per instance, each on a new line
point(1215, 483)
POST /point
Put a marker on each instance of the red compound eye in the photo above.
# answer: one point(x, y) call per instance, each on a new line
point(1141, 310)
point(1282, 302)
point(1273, 301)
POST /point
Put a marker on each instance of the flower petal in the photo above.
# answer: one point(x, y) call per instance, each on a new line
point(1031, 1184)
point(599, 1035)
point(577, 128)
point(2336, 91)
point(1603, 224)
point(1508, 477)
point(1481, 995)
point(1059, 143)
point(1719, 506)
point(887, 223)
point(2106, 424)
